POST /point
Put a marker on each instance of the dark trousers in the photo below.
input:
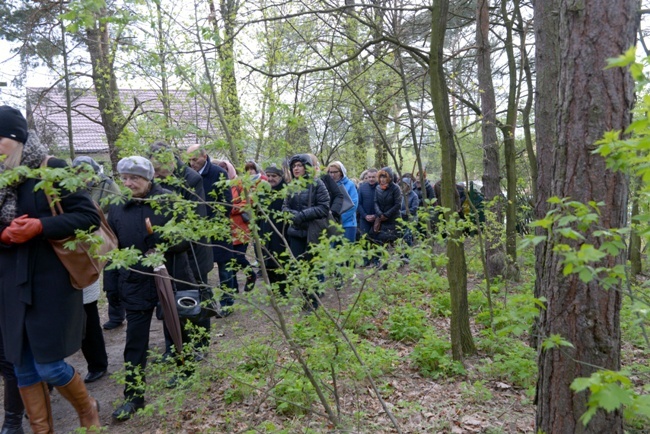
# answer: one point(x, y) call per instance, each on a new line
point(12, 400)
point(222, 254)
point(202, 343)
point(228, 283)
point(243, 264)
point(116, 313)
point(277, 275)
point(92, 345)
point(138, 323)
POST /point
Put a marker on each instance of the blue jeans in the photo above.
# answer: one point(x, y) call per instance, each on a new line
point(30, 372)
point(350, 234)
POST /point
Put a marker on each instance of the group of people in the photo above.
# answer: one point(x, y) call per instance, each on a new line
point(42, 317)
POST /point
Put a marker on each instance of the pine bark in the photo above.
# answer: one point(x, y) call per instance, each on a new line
point(577, 101)
point(491, 168)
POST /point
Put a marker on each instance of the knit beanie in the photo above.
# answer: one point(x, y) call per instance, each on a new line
point(136, 165)
point(84, 159)
point(13, 124)
point(274, 169)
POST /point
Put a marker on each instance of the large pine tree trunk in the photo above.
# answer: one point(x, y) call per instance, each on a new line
point(577, 101)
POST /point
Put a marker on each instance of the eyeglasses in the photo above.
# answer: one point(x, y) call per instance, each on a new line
point(333, 171)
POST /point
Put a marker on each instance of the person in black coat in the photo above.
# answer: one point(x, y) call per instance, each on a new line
point(388, 202)
point(310, 210)
point(41, 314)
point(272, 230)
point(167, 165)
point(219, 205)
point(135, 287)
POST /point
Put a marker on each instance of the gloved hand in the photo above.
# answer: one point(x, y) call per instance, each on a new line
point(151, 240)
point(23, 229)
point(113, 298)
point(298, 219)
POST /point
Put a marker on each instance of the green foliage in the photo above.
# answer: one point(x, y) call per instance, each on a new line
point(432, 358)
point(555, 341)
point(511, 361)
point(612, 390)
point(406, 323)
point(475, 392)
point(518, 316)
point(294, 394)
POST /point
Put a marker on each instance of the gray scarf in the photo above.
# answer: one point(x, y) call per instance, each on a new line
point(33, 155)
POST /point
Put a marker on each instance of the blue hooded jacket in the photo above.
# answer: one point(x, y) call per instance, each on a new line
point(349, 218)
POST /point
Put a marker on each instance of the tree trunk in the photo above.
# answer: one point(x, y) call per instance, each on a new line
point(491, 169)
point(462, 342)
point(102, 57)
point(635, 239)
point(229, 95)
point(508, 130)
point(578, 100)
point(526, 110)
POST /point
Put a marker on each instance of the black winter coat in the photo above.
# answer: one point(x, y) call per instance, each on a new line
point(137, 291)
point(211, 175)
point(336, 196)
point(309, 205)
point(274, 245)
point(200, 254)
point(388, 203)
point(36, 297)
point(430, 192)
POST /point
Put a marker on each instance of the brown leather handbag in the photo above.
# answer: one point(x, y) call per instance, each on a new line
point(83, 262)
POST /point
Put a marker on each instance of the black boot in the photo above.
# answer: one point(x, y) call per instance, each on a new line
point(250, 281)
point(14, 409)
point(13, 423)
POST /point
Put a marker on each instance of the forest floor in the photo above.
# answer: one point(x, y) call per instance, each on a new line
point(492, 394)
point(421, 404)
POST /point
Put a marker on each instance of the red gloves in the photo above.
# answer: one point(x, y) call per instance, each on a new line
point(22, 229)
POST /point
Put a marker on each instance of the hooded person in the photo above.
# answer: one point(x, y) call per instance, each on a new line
point(339, 174)
point(41, 313)
point(228, 167)
point(309, 208)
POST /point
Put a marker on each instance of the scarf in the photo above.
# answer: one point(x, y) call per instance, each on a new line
point(385, 174)
point(33, 155)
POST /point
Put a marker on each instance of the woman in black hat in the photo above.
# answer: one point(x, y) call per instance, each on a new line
point(41, 314)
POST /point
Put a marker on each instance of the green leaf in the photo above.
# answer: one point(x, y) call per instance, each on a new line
point(555, 341)
point(623, 60)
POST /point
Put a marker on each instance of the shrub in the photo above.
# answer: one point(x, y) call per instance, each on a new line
point(407, 323)
point(431, 356)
